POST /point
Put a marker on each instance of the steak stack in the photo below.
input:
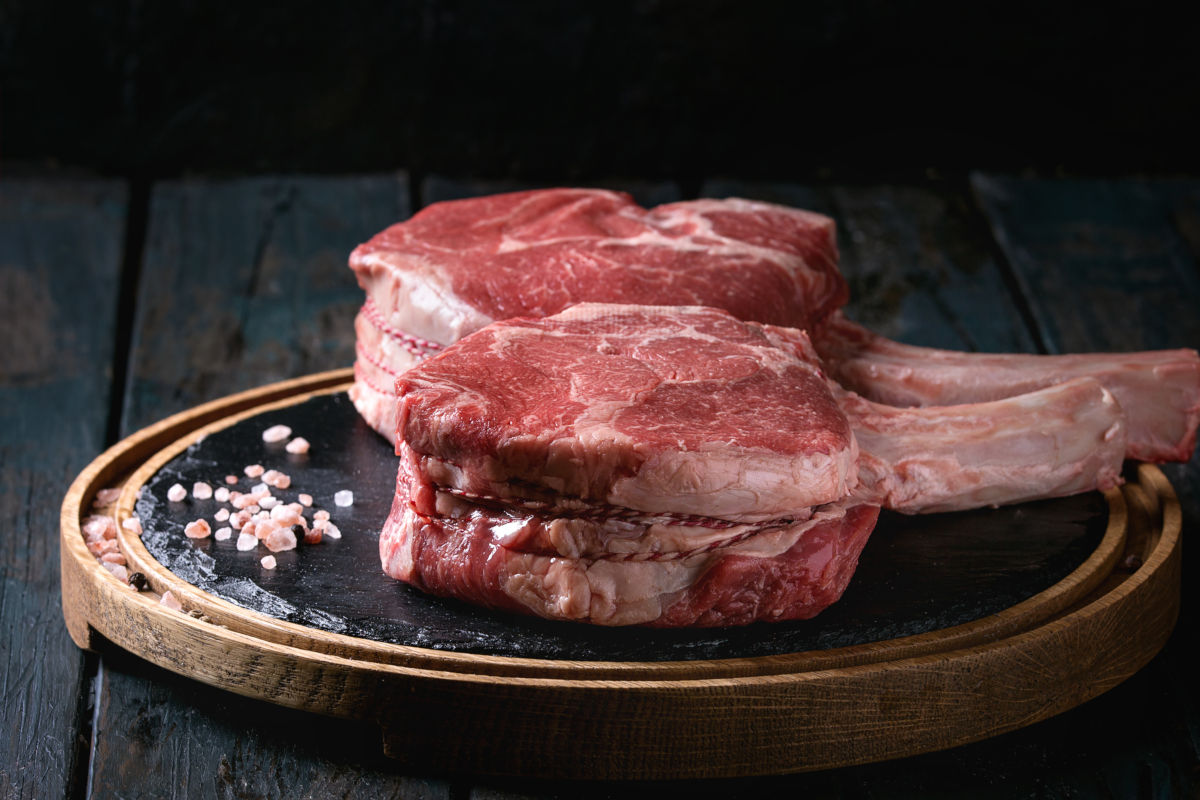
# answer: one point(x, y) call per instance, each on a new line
point(676, 465)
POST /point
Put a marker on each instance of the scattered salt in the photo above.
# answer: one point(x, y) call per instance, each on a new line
point(268, 502)
point(322, 514)
point(221, 495)
point(268, 562)
point(276, 433)
point(305, 499)
point(221, 515)
point(253, 470)
point(106, 497)
point(280, 539)
point(198, 529)
point(171, 601)
point(247, 541)
point(298, 446)
point(201, 490)
point(133, 525)
point(344, 498)
point(231, 480)
point(118, 570)
point(223, 534)
point(176, 493)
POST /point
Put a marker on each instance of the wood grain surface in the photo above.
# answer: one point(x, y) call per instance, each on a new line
point(60, 266)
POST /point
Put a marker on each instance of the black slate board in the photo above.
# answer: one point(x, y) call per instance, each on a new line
point(917, 574)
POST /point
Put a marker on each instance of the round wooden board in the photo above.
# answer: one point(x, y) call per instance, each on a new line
point(640, 719)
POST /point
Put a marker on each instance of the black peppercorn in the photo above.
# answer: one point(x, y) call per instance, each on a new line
point(299, 531)
point(138, 581)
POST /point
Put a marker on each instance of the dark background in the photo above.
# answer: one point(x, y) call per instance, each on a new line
point(577, 91)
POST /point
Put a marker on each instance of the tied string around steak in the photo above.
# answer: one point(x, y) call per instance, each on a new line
point(416, 345)
point(520, 512)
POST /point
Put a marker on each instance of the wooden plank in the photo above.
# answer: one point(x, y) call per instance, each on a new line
point(1113, 265)
point(60, 264)
point(919, 267)
point(436, 188)
point(245, 283)
point(242, 282)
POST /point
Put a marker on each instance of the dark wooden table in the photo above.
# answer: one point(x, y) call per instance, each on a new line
point(120, 305)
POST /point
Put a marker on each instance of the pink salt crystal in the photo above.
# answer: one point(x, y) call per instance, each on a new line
point(269, 502)
point(231, 480)
point(221, 495)
point(221, 515)
point(238, 519)
point(201, 490)
point(298, 446)
point(118, 570)
point(99, 528)
point(280, 539)
point(247, 541)
point(283, 481)
point(133, 525)
point(322, 514)
point(171, 601)
point(253, 508)
point(285, 516)
point(312, 537)
point(242, 500)
point(198, 529)
point(268, 562)
point(253, 470)
point(223, 534)
point(107, 546)
point(94, 547)
point(343, 498)
point(299, 509)
point(112, 558)
point(305, 500)
point(264, 528)
point(277, 479)
point(106, 497)
point(327, 528)
point(250, 528)
point(176, 493)
point(276, 433)
point(261, 489)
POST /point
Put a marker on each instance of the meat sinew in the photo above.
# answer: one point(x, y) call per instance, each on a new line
point(457, 266)
point(675, 466)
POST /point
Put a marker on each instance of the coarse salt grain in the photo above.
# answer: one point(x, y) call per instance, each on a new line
point(305, 499)
point(223, 534)
point(276, 433)
point(170, 601)
point(176, 493)
point(285, 515)
point(221, 515)
point(118, 570)
point(221, 495)
point(268, 502)
point(201, 490)
point(198, 529)
point(106, 497)
point(96, 528)
point(238, 519)
point(312, 537)
point(231, 480)
point(253, 470)
point(344, 498)
point(112, 558)
point(247, 541)
point(133, 525)
point(322, 514)
point(268, 562)
point(298, 446)
point(328, 528)
point(280, 539)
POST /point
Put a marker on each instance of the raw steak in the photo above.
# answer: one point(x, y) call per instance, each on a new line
point(637, 464)
point(457, 266)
